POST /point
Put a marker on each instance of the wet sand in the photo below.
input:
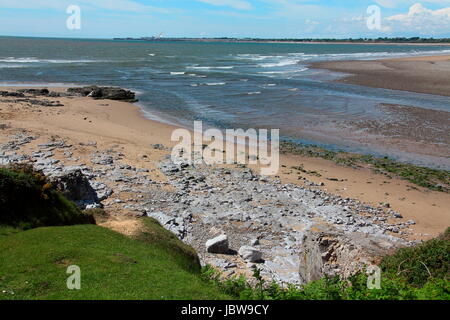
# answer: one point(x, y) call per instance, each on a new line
point(416, 74)
point(122, 125)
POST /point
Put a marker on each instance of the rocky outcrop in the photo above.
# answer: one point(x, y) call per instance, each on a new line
point(327, 251)
point(76, 187)
point(111, 93)
point(11, 94)
point(36, 92)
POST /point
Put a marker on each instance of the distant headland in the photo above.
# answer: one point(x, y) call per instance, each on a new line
point(396, 40)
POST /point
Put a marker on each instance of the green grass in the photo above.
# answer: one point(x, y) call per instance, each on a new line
point(34, 263)
point(437, 180)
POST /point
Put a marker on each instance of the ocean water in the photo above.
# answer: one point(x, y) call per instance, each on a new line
point(232, 85)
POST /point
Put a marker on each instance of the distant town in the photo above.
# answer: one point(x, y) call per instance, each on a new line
point(293, 40)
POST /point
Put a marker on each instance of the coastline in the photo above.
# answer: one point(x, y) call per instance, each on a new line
point(429, 75)
point(122, 126)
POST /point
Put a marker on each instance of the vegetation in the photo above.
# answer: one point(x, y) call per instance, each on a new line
point(34, 265)
point(28, 200)
point(154, 264)
point(421, 272)
point(417, 265)
point(433, 179)
point(151, 265)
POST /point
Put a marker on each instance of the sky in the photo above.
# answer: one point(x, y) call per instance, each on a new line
point(226, 18)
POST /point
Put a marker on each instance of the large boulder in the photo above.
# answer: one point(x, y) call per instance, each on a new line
point(218, 245)
point(326, 251)
point(112, 93)
point(76, 187)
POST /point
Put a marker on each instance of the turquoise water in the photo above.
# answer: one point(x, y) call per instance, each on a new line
point(228, 85)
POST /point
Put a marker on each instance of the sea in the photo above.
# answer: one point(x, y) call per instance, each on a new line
point(234, 85)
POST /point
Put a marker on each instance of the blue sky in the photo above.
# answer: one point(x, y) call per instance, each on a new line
point(230, 18)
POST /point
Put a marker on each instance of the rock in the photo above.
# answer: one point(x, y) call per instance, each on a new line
point(164, 219)
point(44, 103)
point(218, 245)
point(37, 92)
point(327, 251)
point(112, 93)
point(158, 146)
point(397, 215)
point(103, 192)
point(11, 94)
point(76, 187)
point(250, 254)
point(102, 159)
point(254, 242)
point(53, 144)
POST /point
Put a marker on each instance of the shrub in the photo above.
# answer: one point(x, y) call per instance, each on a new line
point(28, 200)
point(416, 265)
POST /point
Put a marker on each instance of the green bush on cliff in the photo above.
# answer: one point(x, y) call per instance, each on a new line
point(28, 200)
point(417, 265)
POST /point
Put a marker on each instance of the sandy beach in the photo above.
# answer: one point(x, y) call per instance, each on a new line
point(417, 74)
point(121, 126)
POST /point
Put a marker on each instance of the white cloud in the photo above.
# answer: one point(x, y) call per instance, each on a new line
point(235, 4)
point(398, 3)
point(418, 11)
point(421, 20)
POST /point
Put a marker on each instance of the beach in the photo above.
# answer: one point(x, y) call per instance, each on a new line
point(122, 125)
point(243, 85)
point(429, 75)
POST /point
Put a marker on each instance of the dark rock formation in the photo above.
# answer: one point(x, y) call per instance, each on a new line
point(36, 92)
point(44, 103)
point(11, 94)
point(76, 187)
point(111, 93)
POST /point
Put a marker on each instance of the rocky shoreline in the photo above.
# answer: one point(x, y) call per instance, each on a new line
point(235, 219)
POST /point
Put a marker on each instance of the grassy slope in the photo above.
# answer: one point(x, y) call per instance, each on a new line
point(34, 264)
